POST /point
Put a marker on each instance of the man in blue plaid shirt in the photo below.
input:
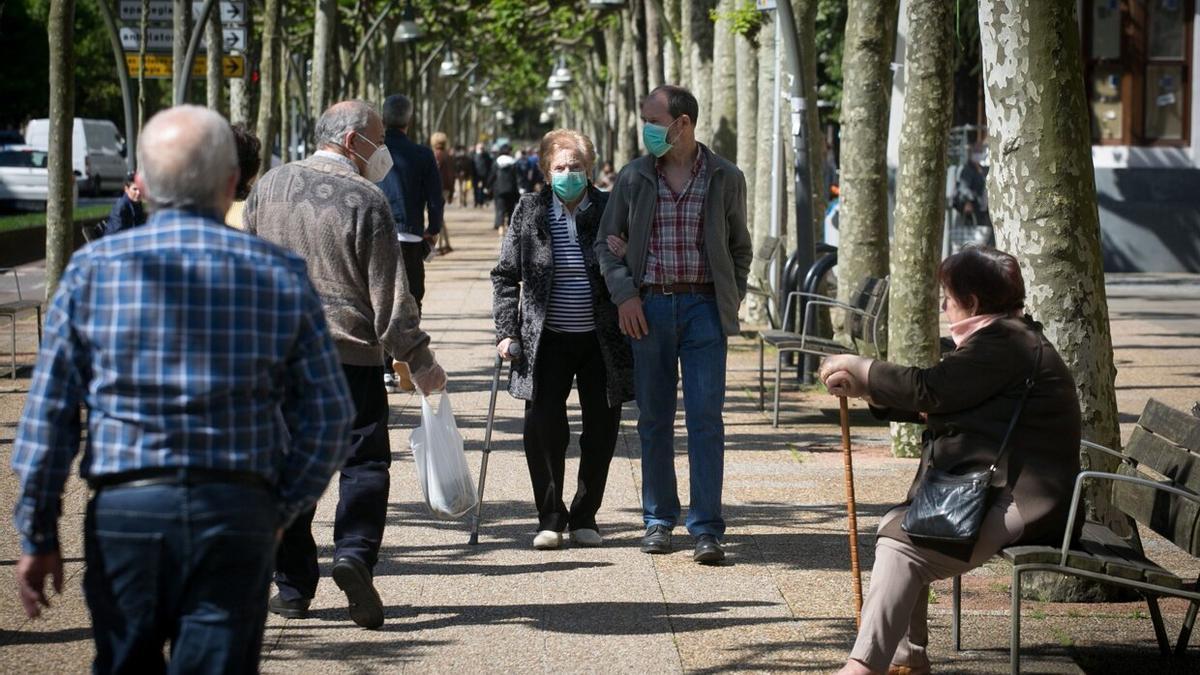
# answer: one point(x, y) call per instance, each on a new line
point(217, 411)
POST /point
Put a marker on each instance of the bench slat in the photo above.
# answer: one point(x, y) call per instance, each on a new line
point(1121, 562)
point(1172, 517)
point(1162, 455)
point(1175, 425)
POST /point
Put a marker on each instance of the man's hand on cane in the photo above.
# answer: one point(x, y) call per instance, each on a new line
point(846, 375)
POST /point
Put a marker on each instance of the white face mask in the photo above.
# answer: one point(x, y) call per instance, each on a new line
point(378, 164)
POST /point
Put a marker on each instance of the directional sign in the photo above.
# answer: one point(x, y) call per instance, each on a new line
point(231, 11)
point(234, 38)
point(159, 39)
point(159, 66)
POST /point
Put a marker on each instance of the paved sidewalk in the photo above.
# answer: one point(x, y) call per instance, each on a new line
point(783, 601)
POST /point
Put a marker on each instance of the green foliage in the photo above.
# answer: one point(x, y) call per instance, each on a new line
point(830, 39)
point(744, 20)
point(26, 78)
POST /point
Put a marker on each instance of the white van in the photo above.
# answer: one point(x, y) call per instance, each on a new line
point(97, 148)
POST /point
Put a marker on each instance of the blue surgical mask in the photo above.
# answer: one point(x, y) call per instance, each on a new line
point(568, 185)
point(654, 136)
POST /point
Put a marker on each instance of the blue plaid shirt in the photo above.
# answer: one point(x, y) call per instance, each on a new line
point(193, 345)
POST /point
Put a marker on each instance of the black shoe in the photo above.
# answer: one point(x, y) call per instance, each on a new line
point(353, 577)
point(657, 539)
point(708, 550)
point(289, 609)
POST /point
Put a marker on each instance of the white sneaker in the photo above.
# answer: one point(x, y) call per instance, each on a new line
point(547, 540)
point(390, 384)
point(586, 537)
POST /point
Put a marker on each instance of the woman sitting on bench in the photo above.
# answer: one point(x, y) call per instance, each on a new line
point(968, 401)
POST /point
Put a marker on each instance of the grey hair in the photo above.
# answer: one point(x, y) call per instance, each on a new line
point(397, 111)
point(340, 119)
point(187, 156)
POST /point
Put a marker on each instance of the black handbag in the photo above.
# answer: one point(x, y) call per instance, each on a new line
point(950, 507)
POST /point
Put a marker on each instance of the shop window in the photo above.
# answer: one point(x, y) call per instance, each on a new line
point(1139, 70)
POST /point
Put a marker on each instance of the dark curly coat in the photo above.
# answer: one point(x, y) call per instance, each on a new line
point(521, 284)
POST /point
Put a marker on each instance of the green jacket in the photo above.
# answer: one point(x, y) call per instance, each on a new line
point(630, 212)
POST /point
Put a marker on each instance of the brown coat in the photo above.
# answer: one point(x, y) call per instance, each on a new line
point(970, 397)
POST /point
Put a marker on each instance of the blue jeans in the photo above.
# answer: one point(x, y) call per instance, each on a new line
point(685, 330)
point(185, 564)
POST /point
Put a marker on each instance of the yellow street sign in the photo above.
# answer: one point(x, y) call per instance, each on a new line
point(161, 65)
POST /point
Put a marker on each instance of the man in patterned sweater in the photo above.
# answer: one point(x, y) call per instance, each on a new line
point(327, 209)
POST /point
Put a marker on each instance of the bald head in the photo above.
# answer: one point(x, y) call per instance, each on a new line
point(187, 159)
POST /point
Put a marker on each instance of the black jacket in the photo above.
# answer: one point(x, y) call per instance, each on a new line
point(522, 282)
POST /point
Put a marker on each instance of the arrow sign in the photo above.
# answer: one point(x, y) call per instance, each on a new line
point(157, 39)
point(230, 11)
point(234, 39)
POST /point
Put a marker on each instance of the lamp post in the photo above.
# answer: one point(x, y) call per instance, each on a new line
point(407, 33)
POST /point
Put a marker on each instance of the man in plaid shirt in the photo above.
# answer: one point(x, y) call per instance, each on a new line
point(217, 411)
point(678, 282)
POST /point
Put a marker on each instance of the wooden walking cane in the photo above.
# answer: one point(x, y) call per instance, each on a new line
point(851, 510)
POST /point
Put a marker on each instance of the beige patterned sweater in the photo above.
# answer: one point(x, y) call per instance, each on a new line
point(342, 226)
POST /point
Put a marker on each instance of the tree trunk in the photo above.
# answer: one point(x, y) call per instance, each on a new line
point(765, 97)
point(673, 52)
point(724, 83)
point(1042, 194)
point(268, 83)
point(627, 111)
point(181, 27)
point(684, 29)
point(700, 46)
point(635, 16)
point(143, 26)
point(60, 205)
point(747, 115)
point(863, 235)
point(654, 46)
point(612, 99)
point(285, 114)
point(324, 22)
point(805, 12)
point(216, 49)
point(920, 204)
point(239, 89)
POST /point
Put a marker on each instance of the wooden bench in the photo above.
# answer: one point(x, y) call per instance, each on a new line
point(1158, 485)
point(862, 323)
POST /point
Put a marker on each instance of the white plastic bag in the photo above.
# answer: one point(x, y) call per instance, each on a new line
point(442, 471)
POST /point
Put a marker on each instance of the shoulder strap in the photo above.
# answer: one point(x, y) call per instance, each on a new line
point(1012, 423)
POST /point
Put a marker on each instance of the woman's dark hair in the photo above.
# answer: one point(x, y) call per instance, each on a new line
point(248, 148)
point(992, 276)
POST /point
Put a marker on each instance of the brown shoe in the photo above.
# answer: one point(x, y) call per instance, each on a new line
point(907, 670)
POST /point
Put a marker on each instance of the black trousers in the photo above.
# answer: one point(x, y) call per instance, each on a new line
point(414, 267)
point(561, 358)
point(362, 494)
point(505, 204)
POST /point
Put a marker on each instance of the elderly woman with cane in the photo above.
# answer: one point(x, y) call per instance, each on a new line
point(548, 296)
point(1001, 409)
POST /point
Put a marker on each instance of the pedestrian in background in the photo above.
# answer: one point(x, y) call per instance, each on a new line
point(549, 296)
point(504, 186)
point(413, 186)
point(248, 147)
point(682, 210)
point(128, 211)
point(446, 168)
point(481, 166)
point(216, 413)
point(462, 170)
point(328, 209)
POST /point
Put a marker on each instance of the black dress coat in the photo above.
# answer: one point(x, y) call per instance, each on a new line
point(970, 397)
point(523, 279)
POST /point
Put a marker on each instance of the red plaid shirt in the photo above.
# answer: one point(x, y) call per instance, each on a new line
point(676, 254)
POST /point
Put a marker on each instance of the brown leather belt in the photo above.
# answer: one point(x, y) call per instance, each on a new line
point(672, 289)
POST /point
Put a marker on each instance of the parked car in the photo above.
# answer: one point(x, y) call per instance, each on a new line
point(98, 152)
point(24, 179)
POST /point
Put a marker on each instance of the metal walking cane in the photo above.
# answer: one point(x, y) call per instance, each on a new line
point(851, 509)
point(514, 350)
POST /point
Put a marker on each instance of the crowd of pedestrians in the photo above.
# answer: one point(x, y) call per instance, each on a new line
point(253, 363)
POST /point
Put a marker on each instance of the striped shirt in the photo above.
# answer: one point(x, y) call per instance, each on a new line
point(571, 309)
point(676, 252)
point(193, 345)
